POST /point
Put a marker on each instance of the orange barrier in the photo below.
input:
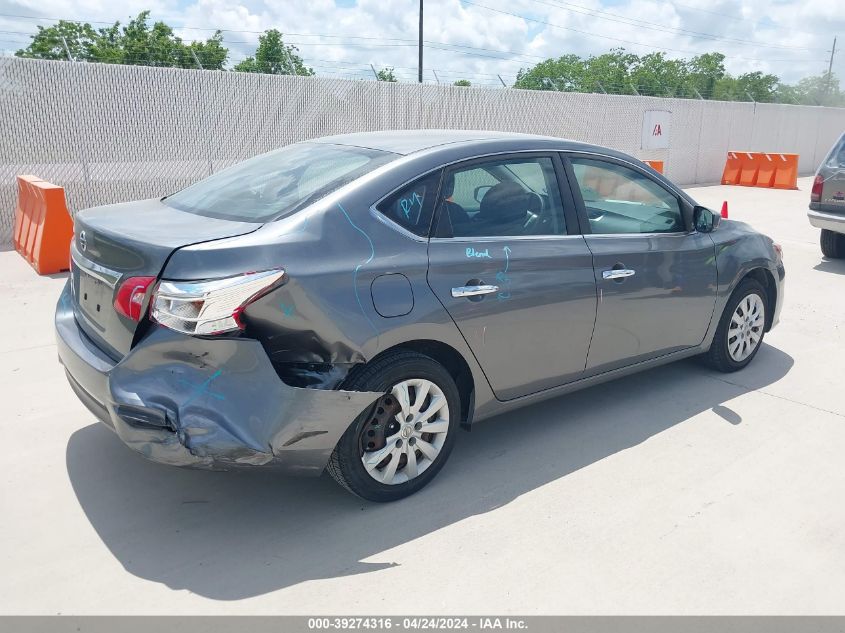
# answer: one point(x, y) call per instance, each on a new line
point(43, 226)
point(730, 175)
point(766, 171)
point(761, 169)
point(656, 165)
point(748, 169)
point(786, 174)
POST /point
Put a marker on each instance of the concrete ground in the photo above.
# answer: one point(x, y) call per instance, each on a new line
point(676, 491)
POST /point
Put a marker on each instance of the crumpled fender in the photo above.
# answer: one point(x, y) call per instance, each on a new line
point(227, 405)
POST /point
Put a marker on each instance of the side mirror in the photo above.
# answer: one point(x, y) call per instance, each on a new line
point(704, 220)
point(480, 191)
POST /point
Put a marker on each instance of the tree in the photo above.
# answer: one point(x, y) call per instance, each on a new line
point(274, 57)
point(820, 90)
point(137, 43)
point(563, 73)
point(462, 82)
point(609, 72)
point(386, 74)
point(49, 42)
point(703, 71)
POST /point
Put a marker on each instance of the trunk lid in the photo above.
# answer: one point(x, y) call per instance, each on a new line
point(833, 188)
point(133, 239)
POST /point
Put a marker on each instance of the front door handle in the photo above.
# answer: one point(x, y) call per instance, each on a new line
point(474, 291)
point(618, 273)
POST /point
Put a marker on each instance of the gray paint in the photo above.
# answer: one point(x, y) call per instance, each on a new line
point(335, 312)
point(392, 295)
point(222, 397)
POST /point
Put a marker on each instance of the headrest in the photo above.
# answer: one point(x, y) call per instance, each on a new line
point(505, 202)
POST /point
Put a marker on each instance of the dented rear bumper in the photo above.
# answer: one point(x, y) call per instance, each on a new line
point(215, 403)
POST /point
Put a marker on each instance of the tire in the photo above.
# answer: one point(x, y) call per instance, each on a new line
point(833, 244)
point(719, 356)
point(380, 422)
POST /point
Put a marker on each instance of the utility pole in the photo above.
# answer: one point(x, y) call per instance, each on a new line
point(829, 67)
point(420, 46)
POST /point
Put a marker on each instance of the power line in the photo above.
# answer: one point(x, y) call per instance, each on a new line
point(615, 39)
point(472, 51)
point(615, 17)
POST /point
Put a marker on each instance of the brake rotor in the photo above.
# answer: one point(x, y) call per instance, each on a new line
point(381, 424)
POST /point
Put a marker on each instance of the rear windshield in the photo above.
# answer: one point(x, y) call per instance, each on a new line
point(279, 183)
point(836, 157)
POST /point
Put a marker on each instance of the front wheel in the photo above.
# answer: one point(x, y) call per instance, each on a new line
point(741, 328)
point(398, 445)
point(833, 244)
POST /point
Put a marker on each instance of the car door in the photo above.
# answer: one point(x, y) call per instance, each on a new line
point(508, 264)
point(656, 276)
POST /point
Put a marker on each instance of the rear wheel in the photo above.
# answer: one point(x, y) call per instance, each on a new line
point(833, 244)
point(400, 443)
point(741, 328)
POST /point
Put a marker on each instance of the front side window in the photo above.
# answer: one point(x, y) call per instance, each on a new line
point(411, 206)
point(279, 183)
point(501, 197)
point(622, 200)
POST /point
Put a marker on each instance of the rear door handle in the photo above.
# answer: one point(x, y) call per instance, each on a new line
point(618, 273)
point(474, 291)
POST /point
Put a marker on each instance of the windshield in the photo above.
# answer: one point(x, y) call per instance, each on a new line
point(279, 183)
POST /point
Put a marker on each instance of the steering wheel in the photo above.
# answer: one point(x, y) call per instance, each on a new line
point(536, 210)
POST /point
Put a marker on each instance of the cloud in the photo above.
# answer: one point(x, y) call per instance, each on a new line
point(789, 39)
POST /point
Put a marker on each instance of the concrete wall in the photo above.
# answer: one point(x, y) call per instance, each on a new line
point(110, 133)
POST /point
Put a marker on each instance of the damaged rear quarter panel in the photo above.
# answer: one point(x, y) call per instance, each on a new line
point(228, 405)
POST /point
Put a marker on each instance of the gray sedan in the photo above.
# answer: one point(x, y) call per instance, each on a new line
point(346, 304)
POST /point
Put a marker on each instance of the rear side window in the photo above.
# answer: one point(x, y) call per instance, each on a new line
point(411, 207)
point(279, 183)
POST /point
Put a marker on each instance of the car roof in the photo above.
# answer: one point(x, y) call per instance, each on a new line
point(412, 141)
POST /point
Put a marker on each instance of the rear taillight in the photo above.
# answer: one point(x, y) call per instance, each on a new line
point(210, 307)
point(816, 191)
point(130, 296)
point(778, 251)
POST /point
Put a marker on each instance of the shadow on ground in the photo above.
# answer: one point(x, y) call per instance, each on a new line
point(831, 266)
point(228, 536)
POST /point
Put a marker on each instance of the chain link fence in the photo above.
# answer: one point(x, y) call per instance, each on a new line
point(110, 133)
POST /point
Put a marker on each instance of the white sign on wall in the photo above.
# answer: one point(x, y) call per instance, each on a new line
point(656, 127)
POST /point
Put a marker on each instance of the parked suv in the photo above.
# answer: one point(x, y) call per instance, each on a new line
point(827, 201)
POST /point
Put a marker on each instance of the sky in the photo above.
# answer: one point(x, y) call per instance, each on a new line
point(480, 39)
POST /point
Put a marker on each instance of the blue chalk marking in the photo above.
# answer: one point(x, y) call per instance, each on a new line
point(471, 252)
point(408, 203)
point(358, 267)
point(287, 310)
point(202, 388)
point(502, 276)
